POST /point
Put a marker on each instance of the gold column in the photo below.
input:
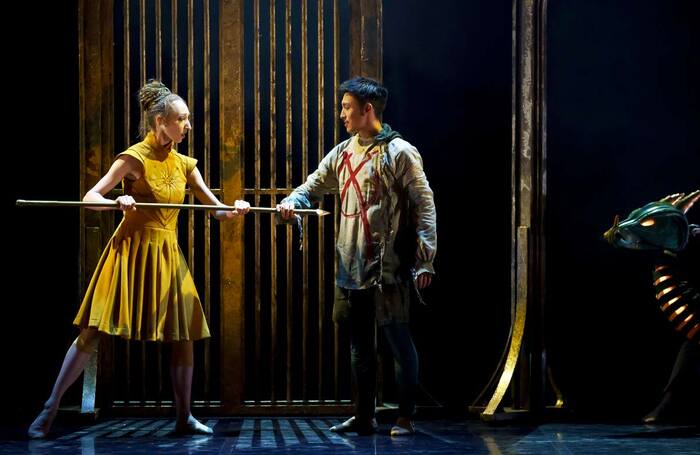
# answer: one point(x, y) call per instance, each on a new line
point(289, 184)
point(321, 222)
point(525, 353)
point(366, 38)
point(273, 196)
point(336, 205)
point(232, 233)
point(142, 47)
point(305, 221)
point(96, 98)
point(257, 157)
point(207, 179)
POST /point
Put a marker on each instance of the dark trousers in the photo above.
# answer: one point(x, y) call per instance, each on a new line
point(682, 388)
point(361, 322)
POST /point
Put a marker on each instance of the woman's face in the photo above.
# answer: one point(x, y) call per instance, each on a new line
point(176, 127)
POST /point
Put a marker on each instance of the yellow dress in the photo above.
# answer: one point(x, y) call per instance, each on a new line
point(142, 288)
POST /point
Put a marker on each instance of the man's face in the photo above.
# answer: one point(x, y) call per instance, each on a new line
point(354, 116)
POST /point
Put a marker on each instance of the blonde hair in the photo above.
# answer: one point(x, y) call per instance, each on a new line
point(155, 99)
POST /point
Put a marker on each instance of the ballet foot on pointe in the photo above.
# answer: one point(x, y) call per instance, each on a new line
point(192, 426)
point(42, 424)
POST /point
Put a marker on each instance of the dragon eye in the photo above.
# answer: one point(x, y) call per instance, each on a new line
point(648, 222)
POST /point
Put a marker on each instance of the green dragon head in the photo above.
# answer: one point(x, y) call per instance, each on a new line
point(660, 225)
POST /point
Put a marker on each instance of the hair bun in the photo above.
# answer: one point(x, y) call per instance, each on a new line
point(151, 92)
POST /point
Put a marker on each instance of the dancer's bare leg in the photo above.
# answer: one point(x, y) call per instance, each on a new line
point(73, 365)
point(181, 367)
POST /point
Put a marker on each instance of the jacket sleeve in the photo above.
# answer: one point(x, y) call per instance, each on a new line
point(412, 178)
point(322, 181)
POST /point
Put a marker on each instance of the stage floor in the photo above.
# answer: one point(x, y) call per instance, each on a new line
point(296, 435)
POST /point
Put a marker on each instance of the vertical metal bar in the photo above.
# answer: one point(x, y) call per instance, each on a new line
point(288, 164)
point(174, 53)
point(127, 141)
point(127, 138)
point(159, 76)
point(528, 159)
point(84, 142)
point(207, 180)
point(174, 39)
point(541, 363)
point(142, 45)
point(232, 233)
point(336, 140)
point(273, 196)
point(258, 271)
point(191, 134)
point(305, 171)
point(159, 42)
point(127, 82)
point(321, 231)
point(380, 40)
point(336, 69)
point(107, 146)
point(142, 39)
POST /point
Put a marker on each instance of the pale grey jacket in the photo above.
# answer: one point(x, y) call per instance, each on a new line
point(375, 189)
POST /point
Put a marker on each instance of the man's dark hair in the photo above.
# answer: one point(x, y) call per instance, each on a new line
point(366, 90)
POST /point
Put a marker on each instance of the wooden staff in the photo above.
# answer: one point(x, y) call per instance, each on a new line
point(152, 205)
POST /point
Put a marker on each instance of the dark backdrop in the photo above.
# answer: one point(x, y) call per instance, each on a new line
point(447, 68)
point(623, 113)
